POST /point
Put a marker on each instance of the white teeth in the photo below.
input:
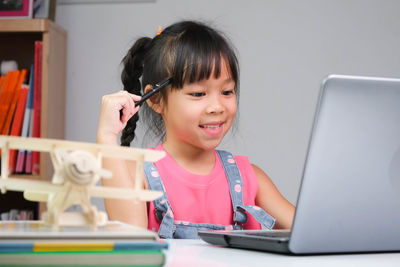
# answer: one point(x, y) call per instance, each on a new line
point(211, 126)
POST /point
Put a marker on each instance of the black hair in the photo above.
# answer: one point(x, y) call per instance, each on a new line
point(186, 52)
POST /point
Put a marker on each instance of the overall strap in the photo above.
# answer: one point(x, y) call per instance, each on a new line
point(162, 206)
point(236, 191)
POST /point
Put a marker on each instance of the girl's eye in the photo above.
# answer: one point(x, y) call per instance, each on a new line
point(197, 94)
point(228, 92)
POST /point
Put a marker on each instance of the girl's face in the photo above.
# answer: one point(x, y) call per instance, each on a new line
point(200, 114)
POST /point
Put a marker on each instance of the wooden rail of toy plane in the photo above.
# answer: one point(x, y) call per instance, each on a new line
point(50, 145)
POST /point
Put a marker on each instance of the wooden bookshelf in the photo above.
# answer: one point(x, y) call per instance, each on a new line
point(17, 37)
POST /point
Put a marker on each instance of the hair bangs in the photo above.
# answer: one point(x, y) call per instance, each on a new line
point(198, 55)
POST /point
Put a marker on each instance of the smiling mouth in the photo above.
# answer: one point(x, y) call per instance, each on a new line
point(211, 126)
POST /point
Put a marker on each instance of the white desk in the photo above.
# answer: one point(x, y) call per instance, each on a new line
point(199, 253)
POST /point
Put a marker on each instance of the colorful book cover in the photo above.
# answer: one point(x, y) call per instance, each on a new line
point(17, 125)
point(29, 153)
point(6, 96)
point(1, 82)
point(14, 94)
point(20, 166)
point(88, 245)
point(37, 104)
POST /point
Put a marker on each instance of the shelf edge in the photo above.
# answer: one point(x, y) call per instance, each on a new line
point(24, 25)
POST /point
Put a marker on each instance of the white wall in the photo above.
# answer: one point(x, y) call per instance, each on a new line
point(285, 49)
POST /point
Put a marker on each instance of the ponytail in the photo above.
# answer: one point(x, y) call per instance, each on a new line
point(130, 76)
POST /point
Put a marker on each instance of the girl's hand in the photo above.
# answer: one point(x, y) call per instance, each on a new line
point(110, 121)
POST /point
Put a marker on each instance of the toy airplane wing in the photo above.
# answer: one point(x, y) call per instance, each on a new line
point(42, 189)
point(18, 184)
point(108, 151)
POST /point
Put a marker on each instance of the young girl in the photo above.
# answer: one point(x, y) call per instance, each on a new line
point(203, 188)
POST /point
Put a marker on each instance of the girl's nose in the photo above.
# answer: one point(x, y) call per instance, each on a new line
point(215, 106)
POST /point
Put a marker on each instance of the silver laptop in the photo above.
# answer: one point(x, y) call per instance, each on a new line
point(349, 200)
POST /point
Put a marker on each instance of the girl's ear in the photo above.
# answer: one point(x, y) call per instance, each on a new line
point(154, 102)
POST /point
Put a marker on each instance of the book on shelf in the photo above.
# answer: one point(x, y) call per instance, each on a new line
point(6, 95)
point(13, 99)
point(4, 216)
point(8, 98)
point(37, 103)
point(23, 162)
point(114, 244)
point(15, 214)
point(28, 153)
point(16, 125)
point(20, 164)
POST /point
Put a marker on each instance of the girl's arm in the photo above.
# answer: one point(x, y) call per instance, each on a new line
point(110, 125)
point(270, 199)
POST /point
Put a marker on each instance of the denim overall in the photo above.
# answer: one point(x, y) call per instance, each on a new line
point(163, 210)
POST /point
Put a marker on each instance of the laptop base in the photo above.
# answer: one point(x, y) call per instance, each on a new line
point(244, 240)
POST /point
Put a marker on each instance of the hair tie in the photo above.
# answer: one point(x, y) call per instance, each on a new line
point(159, 30)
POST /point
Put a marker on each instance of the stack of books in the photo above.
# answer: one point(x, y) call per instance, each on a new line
point(20, 111)
point(32, 243)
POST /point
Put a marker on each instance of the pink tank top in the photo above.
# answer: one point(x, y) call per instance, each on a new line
point(203, 198)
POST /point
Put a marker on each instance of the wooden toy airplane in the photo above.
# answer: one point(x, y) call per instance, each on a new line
point(77, 169)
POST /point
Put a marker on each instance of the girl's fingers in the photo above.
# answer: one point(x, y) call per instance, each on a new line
point(135, 98)
point(116, 110)
point(128, 106)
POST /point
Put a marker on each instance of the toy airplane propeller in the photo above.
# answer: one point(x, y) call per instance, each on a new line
point(77, 169)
